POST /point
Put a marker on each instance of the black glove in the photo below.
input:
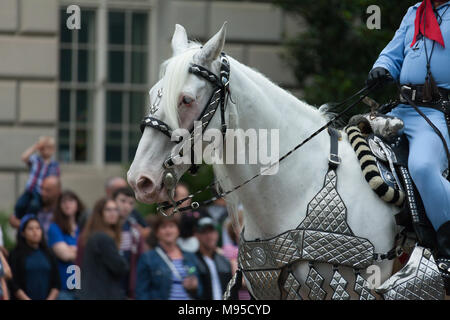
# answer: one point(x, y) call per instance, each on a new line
point(378, 76)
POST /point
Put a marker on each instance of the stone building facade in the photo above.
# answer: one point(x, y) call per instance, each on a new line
point(88, 87)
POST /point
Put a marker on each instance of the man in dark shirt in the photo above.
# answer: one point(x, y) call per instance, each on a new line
point(213, 268)
point(50, 191)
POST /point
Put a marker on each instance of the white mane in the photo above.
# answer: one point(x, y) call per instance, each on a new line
point(174, 72)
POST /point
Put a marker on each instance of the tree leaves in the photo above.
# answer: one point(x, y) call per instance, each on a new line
point(332, 58)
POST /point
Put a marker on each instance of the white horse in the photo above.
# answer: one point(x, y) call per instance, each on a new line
point(272, 203)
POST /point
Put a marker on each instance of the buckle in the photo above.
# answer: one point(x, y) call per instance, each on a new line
point(334, 159)
point(398, 252)
point(392, 254)
point(444, 265)
point(168, 163)
point(405, 87)
point(407, 90)
point(195, 205)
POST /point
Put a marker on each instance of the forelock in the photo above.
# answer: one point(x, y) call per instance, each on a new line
point(174, 73)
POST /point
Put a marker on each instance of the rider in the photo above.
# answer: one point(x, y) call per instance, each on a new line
point(419, 56)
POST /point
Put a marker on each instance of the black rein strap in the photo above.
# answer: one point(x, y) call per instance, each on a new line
point(333, 159)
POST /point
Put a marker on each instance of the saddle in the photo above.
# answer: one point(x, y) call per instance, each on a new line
point(386, 153)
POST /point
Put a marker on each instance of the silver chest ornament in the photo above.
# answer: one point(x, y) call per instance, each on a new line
point(325, 237)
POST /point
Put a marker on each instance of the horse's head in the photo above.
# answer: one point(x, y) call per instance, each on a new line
point(177, 100)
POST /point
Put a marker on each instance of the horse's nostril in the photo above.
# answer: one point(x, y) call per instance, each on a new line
point(145, 185)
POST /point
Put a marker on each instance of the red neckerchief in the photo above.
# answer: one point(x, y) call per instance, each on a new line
point(433, 31)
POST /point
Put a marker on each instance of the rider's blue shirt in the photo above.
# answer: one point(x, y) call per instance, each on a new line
point(410, 63)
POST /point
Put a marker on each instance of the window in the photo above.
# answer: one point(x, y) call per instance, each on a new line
point(127, 83)
point(77, 77)
point(126, 88)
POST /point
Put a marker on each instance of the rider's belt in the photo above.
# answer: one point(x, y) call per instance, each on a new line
point(416, 94)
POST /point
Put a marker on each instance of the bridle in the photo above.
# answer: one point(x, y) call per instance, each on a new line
point(218, 98)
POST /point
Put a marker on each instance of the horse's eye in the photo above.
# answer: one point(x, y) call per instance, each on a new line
point(187, 100)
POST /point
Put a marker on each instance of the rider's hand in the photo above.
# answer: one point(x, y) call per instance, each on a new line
point(378, 76)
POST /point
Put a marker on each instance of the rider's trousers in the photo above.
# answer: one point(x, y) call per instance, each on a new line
point(427, 159)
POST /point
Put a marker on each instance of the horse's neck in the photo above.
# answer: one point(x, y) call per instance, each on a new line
point(275, 203)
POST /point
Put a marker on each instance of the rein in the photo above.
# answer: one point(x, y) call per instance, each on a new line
point(194, 205)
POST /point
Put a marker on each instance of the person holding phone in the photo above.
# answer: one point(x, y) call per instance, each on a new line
point(167, 272)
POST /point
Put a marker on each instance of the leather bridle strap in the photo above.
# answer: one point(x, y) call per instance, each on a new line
point(157, 124)
point(333, 160)
point(221, 84)
point(218, 97)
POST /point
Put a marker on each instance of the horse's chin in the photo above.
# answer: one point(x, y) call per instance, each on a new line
point(159, 196)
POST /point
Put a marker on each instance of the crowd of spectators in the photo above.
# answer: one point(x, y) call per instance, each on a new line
point(66, 251)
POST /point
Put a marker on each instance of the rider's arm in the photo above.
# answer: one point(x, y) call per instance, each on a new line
point(392, 56)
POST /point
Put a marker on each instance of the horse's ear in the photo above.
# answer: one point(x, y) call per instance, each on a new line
point(212, 49)
point(179, 40)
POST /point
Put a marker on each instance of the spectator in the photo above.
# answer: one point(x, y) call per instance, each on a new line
point(114, 183)
point(167, 272)
point(126, 201)
point(102, 266)
point(231, 248)
point(41, 166)
point(2, 244)
point(62, 237)
point(4, 267)
point(34, 268)
point(187, 241)
point(111, 185)
point(213, 268)
point(230, 251)
point(151, 242)
point(5, 275)
point(50, 191)
point(218, 212)
point(134, 232)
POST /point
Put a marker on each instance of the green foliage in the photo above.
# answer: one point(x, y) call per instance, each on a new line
point(332, 57)
point(204, 177)
point(4, 225)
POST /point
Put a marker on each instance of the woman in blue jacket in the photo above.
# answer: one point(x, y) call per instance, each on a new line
point(167, 272)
